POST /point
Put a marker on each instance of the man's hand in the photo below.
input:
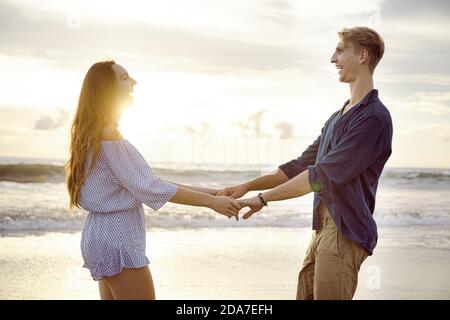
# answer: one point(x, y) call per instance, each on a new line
point(254, 204)
point(234, 192)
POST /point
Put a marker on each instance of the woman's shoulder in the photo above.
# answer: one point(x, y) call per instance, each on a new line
point(117, 148)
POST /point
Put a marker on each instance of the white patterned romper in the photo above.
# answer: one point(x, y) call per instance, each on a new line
point(113, 235)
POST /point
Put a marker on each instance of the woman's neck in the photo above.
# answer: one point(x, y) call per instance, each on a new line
point(110, 132)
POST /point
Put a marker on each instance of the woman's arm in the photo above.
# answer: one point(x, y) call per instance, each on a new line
point(223, 205)
point(210, 191)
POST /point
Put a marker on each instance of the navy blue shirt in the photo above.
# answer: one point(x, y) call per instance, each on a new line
point(345, 163)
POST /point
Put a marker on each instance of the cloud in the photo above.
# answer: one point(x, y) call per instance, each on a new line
point(280, 4)
point(415, 33)
point(438, 130)
point(280, 13)
point(47, 123)
point(404, 8)
point(274, 35)
point(169, 47)
point(433, 103)
point(416, 78)
point(286, 130)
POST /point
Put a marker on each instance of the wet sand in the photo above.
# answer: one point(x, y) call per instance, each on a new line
point(222, 263)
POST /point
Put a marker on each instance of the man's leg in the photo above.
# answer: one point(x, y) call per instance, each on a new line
point(305, 284)
point(337, 264)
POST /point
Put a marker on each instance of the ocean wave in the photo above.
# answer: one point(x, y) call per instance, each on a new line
point(54, 173)
point(31, 173)
point(74, 223)
point(436, 174)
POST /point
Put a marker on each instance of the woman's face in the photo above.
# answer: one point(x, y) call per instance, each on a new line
point(125, 85)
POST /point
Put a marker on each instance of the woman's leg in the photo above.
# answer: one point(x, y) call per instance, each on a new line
point(105, 292)
point(132, 284)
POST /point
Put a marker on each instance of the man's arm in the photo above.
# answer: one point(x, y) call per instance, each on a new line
point(364, 142)
point(295, 187)
point(279, 176)
point(268, 181)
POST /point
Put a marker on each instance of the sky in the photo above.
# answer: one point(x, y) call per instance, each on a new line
point(221, 82)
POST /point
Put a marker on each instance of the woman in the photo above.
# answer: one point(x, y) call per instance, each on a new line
point(107, 176)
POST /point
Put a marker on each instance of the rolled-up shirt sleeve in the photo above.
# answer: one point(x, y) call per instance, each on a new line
point(132, 171)
point(362, 144)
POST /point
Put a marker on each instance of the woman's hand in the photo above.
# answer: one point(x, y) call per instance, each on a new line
point(226, 206)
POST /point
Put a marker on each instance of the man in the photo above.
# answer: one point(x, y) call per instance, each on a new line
point(342, 167)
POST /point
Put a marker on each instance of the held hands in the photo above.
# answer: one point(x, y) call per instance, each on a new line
point(231, 207)
point(234, 192)
point(226, 206)
point(253, 203)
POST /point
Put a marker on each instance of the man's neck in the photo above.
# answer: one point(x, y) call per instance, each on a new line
point(359, 89)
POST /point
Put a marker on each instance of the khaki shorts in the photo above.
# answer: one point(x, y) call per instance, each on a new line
point(331, 266)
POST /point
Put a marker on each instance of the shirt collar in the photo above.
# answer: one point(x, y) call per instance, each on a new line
point(371, 96)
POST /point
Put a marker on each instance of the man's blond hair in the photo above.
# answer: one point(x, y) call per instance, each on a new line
point(365, 38)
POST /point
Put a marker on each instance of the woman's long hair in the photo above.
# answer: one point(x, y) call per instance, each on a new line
point(97, 106)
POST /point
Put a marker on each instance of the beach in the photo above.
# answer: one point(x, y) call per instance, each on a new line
point(227, 263)
point(195, 253)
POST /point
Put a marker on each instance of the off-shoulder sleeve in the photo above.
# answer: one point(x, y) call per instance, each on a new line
point(132, 171)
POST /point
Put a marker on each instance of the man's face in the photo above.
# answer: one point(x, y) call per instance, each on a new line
point(346, 61)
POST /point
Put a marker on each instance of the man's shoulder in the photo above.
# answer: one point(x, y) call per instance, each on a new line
point(378, 110)
point(334, 114)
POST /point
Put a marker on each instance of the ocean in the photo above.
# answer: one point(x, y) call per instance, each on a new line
point(33, 198)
